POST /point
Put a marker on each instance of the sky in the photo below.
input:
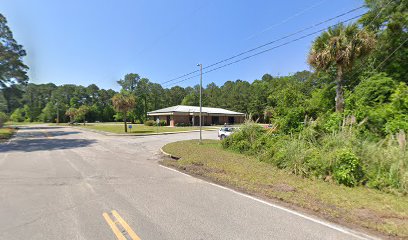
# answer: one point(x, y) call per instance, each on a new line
point(99, 41)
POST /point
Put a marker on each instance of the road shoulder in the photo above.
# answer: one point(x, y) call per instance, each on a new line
point(283, 189)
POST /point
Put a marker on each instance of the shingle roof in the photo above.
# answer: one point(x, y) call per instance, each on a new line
point(194, 109)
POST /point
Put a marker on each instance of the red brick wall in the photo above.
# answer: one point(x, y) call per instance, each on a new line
point(207, 120)
point(181, 119)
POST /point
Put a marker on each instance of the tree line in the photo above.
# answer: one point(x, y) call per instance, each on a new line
point(352, 64)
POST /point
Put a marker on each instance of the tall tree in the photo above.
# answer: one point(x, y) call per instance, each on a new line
point(142, 93)
point(71, 113)
point(81, 113)
point(339, 47)
point(175, 95)
point(211, 95)
point(124, 103)
point(389, 21)
point(12, 68)
point(129, 82)
point(157, 96)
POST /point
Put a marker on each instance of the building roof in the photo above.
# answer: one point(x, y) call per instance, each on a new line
point(193, 109)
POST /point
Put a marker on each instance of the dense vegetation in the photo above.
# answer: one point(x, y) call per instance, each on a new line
point(359, 136)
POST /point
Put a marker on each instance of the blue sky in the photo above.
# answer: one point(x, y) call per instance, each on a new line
point(98, 41)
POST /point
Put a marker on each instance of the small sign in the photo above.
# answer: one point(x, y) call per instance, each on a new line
point(129, 126)
point(157, 121)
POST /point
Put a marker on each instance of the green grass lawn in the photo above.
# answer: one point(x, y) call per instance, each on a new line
point(20, 123)
point(357, 207)
point(6, 133)
point(137, 128)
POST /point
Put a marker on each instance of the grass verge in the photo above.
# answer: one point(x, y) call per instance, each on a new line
point(138, 129)
point(6, 133)
point(359, 207)
point(21, 123)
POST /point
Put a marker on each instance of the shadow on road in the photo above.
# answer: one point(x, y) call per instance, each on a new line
point(32, 145)
point(61, 133)
point(41, 134)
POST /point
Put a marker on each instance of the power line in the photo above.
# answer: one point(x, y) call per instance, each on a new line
point(225, 65)
point(360, 68)
point(269, 49)
point(391, 54)
point(388, 57)
point(268, 43)
point(288, 19)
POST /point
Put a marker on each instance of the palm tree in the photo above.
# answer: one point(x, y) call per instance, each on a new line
point(71, 113)
point(340, 47)
point(123, 103)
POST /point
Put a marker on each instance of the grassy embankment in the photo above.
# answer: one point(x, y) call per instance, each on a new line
point(6, 133)
point(359, 207)
point(138, 128)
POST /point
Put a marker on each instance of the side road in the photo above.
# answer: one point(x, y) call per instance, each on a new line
point(62, 183)
point(141, 134)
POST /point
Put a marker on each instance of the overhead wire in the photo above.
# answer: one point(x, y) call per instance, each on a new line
point(267, 50)
point(286, 43)
point(266, 44)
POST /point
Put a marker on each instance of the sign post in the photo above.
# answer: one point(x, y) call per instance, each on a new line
point(158, 123)
point(130, 128)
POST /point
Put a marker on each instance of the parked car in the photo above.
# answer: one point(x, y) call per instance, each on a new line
point(225, 132)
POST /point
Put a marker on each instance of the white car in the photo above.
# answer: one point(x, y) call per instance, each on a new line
point(225, 132)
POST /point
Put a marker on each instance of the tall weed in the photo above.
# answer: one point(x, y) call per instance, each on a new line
point(343, 156)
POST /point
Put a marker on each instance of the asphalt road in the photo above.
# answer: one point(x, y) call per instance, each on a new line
point(56, 183)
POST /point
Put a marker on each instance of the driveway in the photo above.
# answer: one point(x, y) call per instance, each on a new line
point(67, 183)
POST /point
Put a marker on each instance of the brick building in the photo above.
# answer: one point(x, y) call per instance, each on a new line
point(190, 115)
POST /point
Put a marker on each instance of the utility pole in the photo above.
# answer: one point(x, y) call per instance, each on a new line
point(57, 113)
point(201, 104)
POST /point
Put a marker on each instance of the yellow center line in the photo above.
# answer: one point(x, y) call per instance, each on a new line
point(123, 223)
point(114, 228)
point(126, 226)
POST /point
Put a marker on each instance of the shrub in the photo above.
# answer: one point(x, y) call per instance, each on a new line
point(292, 121)
point(347, 168)
point(291, 156)
point(183, 124)
point(161, 123)
point(316, 164)
point(149, 122)
point(245, 138)
point(332, 122)
point(17, 115)
point(345, 156)
point(386, 165)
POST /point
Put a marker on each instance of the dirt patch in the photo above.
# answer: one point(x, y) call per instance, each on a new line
point(282, 187)
point(199, 164)
point(200, 169)
point(369, 215)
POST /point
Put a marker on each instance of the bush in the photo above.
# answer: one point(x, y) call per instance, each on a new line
point(183, 124)
point(161, 123)
point(345, 156)
point(332, 122)
point(149, 123)
point(246, 139)
point(292, 121)
point(17, 115)
point(386, 164)
point(316, 164)
point(347, 168)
